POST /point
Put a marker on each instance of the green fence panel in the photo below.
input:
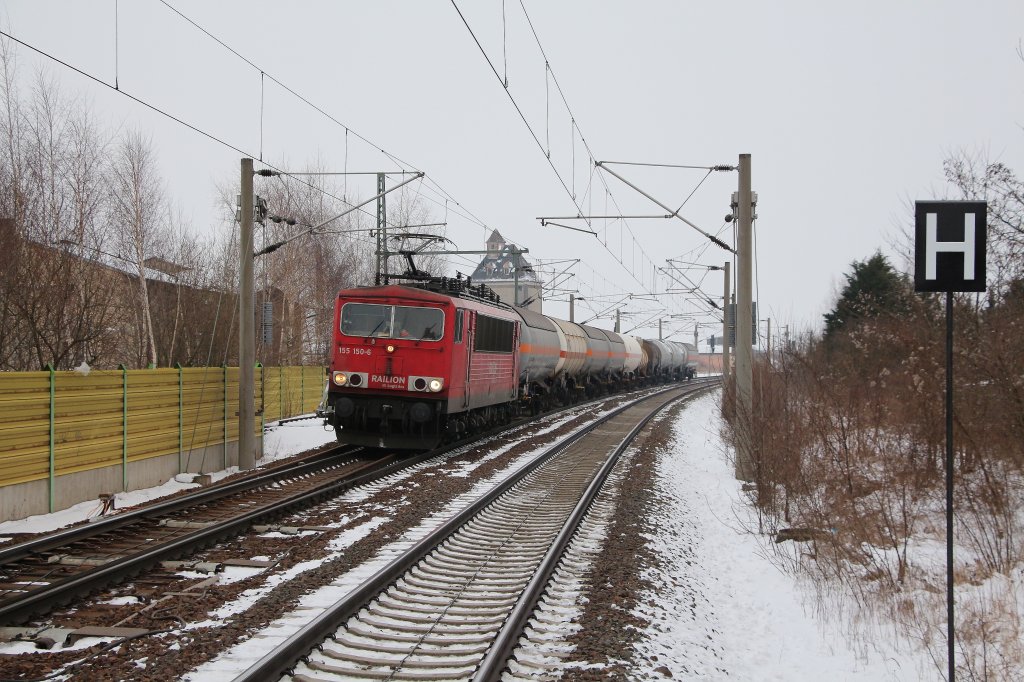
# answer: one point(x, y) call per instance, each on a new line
point(64, 422)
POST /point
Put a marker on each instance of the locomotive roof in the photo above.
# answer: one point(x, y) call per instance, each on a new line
point(436, 290)
point(395, 290)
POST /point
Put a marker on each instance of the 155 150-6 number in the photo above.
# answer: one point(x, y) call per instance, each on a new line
point(354, 350)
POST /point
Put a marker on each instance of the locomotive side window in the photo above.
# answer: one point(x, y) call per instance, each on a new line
point(458, 326)
point(419, 324)
point(366, 319)
point(494, 335)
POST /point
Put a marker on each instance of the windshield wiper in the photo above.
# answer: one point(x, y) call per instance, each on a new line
point(383, 320)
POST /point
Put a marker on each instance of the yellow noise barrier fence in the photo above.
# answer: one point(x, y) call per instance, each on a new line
point(58, 423)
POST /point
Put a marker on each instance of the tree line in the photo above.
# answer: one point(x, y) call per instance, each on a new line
point(99, 266)
point(850, 436)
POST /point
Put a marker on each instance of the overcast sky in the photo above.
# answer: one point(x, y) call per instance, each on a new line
point(848, 110)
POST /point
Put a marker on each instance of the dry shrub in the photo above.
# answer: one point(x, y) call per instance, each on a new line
point(849, 442)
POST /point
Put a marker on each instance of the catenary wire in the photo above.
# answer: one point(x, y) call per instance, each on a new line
point(313, 106)
point(468, 215)
point(540, 145)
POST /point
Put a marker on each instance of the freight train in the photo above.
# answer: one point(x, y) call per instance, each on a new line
point(415, 366)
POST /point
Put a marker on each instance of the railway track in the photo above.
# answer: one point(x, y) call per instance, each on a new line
point(454, 606)
point(161, 587)
point(52, 570)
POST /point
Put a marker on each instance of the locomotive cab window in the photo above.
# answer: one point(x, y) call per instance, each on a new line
point(418, 324)
point(392, 322)
point(458, 326)
point(366, 319)
point(494, 335)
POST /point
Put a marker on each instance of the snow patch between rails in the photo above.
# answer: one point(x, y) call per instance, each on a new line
point(545, 646)
point(344, 540)
point(228, 663)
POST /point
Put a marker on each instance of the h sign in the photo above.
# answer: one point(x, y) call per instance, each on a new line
point(949, 245)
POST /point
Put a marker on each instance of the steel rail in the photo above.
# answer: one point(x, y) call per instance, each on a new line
point(51, 541)
point(496, 659)
point(63, 591)
point(57, 539)
point(285, 655)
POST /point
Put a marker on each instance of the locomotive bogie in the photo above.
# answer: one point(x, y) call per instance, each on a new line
point(387, 421)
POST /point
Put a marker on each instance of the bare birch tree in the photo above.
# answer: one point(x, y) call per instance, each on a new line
point(55, 309)
point(137, 217)
point(301, 280)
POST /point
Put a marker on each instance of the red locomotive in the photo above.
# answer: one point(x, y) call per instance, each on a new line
point(412, 366)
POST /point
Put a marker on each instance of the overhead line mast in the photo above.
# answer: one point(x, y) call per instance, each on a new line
point(745, 463)
point(382, 232)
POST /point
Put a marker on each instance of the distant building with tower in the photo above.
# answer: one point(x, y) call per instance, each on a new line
point(506, 270)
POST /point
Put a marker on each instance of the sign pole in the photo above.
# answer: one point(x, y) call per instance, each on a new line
point(950, 640)
point(949, 256)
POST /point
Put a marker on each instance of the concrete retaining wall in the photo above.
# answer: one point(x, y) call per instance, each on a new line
point(22, 500)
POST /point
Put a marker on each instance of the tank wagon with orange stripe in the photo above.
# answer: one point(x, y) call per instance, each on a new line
point(414, 366)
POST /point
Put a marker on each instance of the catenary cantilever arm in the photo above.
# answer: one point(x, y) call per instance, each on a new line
point(713, 238)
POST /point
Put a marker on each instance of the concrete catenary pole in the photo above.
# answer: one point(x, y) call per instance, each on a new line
point(618, 320)
point(572, 307)
point(726, 369)
point(744, 326)
point(515, 275)
point(246, 328)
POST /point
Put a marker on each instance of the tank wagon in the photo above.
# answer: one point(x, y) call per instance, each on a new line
point(413, 366)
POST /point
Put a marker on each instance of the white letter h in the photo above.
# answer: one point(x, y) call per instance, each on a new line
point(933, 246)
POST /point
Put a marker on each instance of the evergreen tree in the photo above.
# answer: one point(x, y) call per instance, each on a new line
point(873, 289)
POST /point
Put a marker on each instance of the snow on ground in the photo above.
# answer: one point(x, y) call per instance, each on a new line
point(730, 613)
point(293, 437)
point(227, 664)
point(726, 611)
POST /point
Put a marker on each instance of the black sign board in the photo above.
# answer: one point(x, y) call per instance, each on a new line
point(730, 312)
point(949, 245)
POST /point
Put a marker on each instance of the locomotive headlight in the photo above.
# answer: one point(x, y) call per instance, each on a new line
point(340, 378)
point(427, 384)
point(391, 349)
